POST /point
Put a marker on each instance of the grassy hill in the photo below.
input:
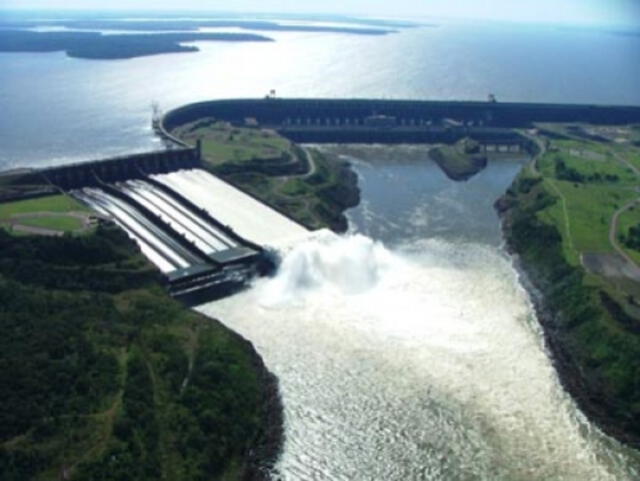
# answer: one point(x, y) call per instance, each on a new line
point(54, 214)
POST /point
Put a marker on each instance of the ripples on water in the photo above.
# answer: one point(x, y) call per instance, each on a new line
point(419, 362)
point(77, 109)
point(424, 363)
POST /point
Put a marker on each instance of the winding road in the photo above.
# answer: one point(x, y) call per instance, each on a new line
point(613, 228)
point(613, 231)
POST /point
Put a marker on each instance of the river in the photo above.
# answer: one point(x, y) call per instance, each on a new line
point(415, 354)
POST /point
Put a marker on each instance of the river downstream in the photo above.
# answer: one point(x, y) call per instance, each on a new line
point(408, 350)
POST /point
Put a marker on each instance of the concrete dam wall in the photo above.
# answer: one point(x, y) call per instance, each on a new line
point(397, 120)
point(135, 166)
point(201, 258)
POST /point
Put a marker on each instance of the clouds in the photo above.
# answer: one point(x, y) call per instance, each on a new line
point(557, 11)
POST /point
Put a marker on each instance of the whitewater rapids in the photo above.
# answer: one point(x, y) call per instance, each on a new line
point(425, 363)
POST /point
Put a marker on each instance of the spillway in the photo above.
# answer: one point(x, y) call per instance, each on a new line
point(157, 247)
point(186, 223)
point(248, 217)
point(203, 258)
point(416, 364)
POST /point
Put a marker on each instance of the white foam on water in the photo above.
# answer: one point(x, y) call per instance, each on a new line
point(424, 364)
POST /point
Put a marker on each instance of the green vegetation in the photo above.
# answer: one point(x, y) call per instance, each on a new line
point(554, 216)
point(54, 203)
point(589, 189)
point(308, 186)
point(104, 377)
point(634, 157)
point(95, 45)
point(629, 232)
point(632, 239)
point(224, 143)
point(56, 213)
point(57, 223)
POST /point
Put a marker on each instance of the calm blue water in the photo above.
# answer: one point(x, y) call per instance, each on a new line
point(57, 110)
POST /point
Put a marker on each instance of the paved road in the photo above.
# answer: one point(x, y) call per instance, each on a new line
point(626, 162)
point(543, 150)
point(311, 162)
point(36, 230)
point(613, 228)
point(613, 231)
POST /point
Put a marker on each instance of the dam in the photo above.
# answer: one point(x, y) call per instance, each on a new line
point(395, 121)
point(393, 362)
point(209, 238)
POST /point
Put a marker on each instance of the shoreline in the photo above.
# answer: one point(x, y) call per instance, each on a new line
point(568, 374)
point(267, 447)
point(594, 407)
point(265, 452)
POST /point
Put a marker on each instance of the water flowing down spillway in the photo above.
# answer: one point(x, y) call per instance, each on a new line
point(165, 255)
point(178, 217)
point(142, 200)
point(422, 361)
point(250, 218)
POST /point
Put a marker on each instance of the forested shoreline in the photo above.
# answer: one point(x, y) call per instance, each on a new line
point(105, 377)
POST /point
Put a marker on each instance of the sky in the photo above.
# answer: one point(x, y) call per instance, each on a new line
point(592, 12)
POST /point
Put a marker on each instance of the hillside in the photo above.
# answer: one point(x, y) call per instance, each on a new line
point(569, 217)
point(104, 377)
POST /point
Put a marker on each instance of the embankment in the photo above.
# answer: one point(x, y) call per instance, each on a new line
point(595, 353)
point(338, 115)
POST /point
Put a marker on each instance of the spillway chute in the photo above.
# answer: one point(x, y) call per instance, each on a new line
point(208, 238)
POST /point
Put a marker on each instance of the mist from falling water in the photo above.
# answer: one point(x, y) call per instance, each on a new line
point(425, 363)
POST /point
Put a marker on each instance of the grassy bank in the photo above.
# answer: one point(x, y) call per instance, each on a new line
point(104, 377)
point(53, 214)
point(312, 188)
point(557, 215)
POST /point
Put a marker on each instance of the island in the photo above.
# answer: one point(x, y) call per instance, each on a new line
point(94, 45)
point(83, 38)
point(460, 161)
